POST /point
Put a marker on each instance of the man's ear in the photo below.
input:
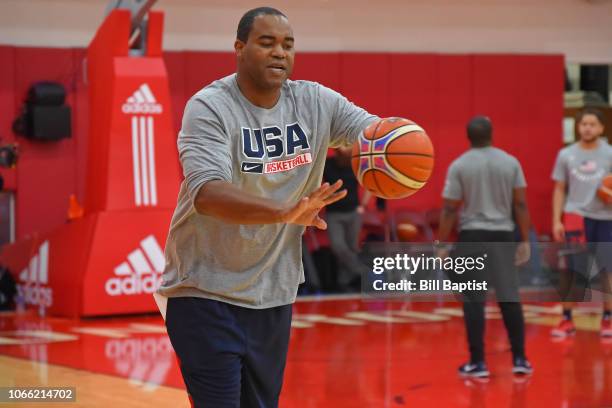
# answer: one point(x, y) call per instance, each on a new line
point(238, 47)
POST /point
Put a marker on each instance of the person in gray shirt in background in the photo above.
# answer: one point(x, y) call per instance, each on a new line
point(252, 147)
point(579, 215)
point(491, 186)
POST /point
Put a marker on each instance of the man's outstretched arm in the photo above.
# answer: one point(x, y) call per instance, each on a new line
point(229, 203)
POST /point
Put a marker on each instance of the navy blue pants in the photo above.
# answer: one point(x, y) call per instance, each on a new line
point(598, 234)
point(230, 356)
point(598, 252)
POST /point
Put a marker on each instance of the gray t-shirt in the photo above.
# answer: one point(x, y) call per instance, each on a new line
point(277, 153)
point(484, 178)
point(582, 171)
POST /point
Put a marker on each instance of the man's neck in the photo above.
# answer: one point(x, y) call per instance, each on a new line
point(263, 98)
point(590, 145)
point(481, 146)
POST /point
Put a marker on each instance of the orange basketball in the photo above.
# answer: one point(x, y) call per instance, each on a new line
point(407, 232)
point(393, 158)
point(605, 190)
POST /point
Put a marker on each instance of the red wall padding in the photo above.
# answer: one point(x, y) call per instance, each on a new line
point(176, 68)
point(540, 129)
point(413, 94)
point(453, 107)
point(365, 80)
point(523, 95)
point(8, 107)
point(323, 68)
point(46, 172)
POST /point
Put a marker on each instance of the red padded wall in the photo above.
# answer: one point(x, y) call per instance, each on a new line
point(365, 79)
point(319, 67)
point(202, 68)
point(8, 107)
point(80, 122)
point(522, 95)
point(46, 175)
point(413, 91)
point(540, 88)
point(175, 66)
point(496, 95)
point(453, 107)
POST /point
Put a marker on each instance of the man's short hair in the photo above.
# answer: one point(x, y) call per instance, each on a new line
point(246, 22)
point(480, 130)
point(590, 111)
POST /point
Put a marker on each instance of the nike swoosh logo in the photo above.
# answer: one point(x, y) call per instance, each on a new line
point(250, 167)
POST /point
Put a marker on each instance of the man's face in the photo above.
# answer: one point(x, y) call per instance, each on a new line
point(267, 56)
point(590, 128)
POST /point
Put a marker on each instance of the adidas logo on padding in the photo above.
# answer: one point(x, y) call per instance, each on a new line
point(34, 278)
point(141, 272)
point(142, 101)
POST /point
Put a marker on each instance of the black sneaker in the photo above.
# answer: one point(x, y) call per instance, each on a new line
point(522, 366)
point(478, 370)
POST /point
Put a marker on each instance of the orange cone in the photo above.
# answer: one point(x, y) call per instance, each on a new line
point(74, 208)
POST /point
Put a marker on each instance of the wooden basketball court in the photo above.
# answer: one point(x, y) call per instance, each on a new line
point(345, 352)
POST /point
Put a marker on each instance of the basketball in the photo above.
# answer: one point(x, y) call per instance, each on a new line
point(393, 158)
point(407, 232)
point(604, 192)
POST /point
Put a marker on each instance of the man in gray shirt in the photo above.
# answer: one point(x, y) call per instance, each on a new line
point(579, 215)
point(252, 147)
point(491, 186)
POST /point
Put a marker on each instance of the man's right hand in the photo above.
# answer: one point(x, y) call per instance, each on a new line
point(523, 253)
point(306, 211)
point(558, 231)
